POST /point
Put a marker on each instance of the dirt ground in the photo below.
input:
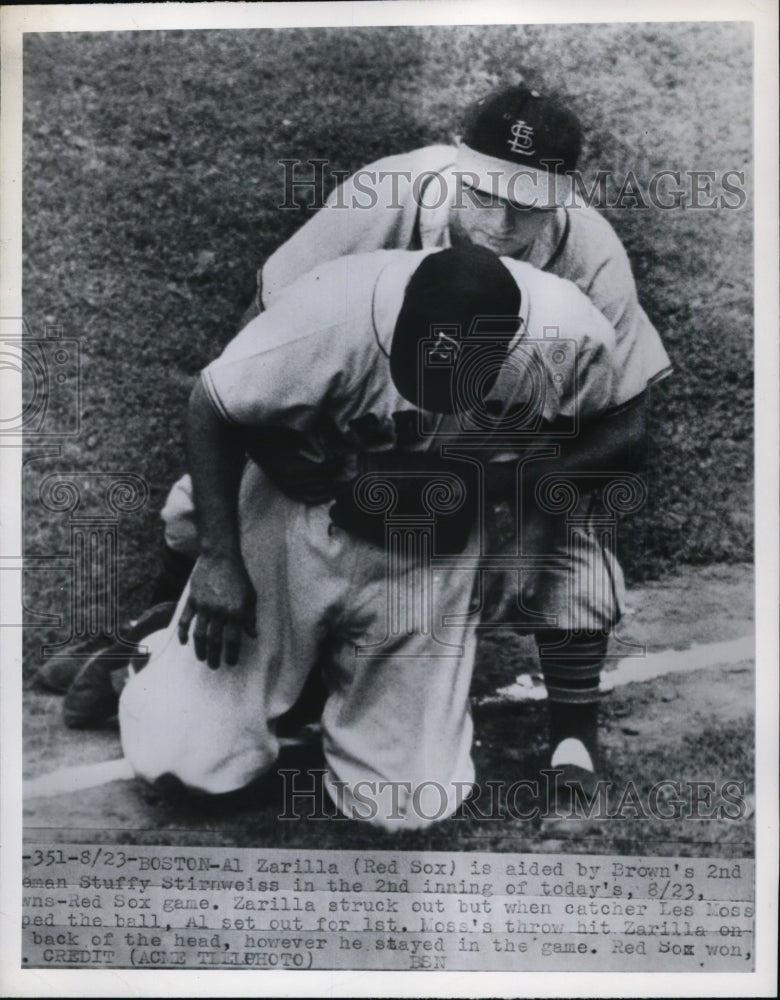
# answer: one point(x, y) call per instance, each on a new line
point(684, 727)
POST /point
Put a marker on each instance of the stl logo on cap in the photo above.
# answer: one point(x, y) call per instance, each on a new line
point(522, 140)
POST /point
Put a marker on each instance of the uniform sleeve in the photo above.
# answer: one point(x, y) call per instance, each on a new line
point(558, 381)
point(374, 209)
point(285, 364)
point(564, 365)
point(582, 385)
point(604, 274)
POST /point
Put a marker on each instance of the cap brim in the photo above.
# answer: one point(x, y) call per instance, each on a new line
point(521, 185)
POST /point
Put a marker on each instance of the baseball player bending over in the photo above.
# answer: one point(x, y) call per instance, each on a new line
point(364, 368)
point(507, 186)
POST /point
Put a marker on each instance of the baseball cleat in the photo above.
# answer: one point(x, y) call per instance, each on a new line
point(570, 806)
point(93, 695)
point(91, 699)
point(57, 674)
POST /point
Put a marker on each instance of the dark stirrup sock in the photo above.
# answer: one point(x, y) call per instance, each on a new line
point(571, 664)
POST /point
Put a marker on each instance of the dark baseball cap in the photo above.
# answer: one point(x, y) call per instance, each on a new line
point(459, 315)
point(519, 145)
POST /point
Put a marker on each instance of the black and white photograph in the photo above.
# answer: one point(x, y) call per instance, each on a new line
point(389, 485)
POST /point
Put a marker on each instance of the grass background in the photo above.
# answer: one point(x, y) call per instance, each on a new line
point(151, 185)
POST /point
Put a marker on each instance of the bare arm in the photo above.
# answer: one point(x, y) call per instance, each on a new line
point(221, 598)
